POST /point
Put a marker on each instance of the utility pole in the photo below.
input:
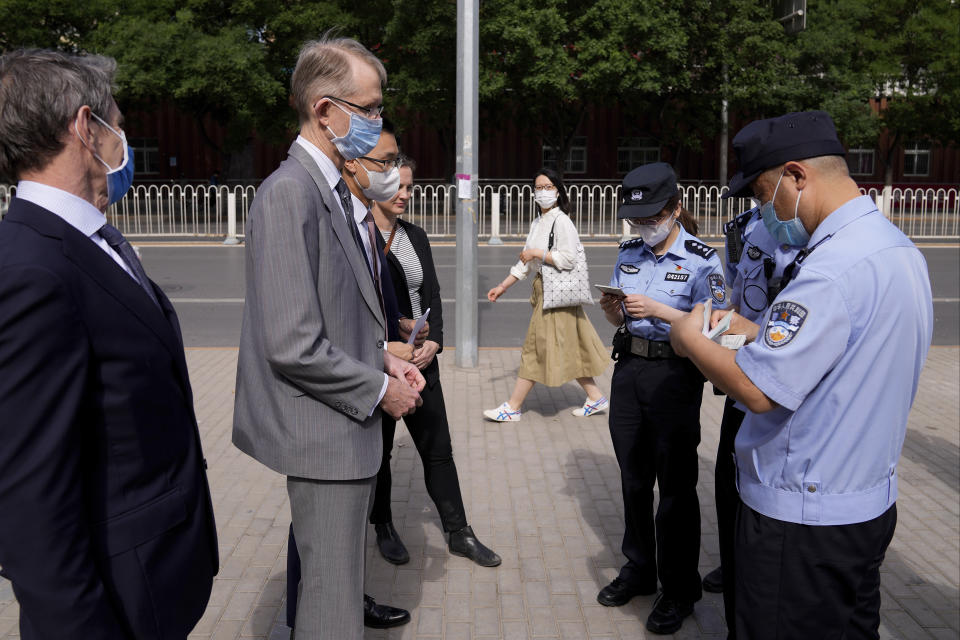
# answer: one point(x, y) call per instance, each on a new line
point(467, 189)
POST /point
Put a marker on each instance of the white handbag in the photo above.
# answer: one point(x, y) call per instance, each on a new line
point(566, 288)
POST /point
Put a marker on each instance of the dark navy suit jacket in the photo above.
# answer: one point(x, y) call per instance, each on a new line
point(106, 523)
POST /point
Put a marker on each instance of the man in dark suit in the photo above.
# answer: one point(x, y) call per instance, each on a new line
point(106, 523)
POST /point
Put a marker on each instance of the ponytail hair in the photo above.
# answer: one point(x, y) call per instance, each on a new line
point(687, 221)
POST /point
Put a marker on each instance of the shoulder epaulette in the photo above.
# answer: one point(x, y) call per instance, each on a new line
point(633, 242)
point(697, 247)
point(740, 221)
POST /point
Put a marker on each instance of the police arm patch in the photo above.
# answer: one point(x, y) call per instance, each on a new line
point(718, 289)
point(784, 322)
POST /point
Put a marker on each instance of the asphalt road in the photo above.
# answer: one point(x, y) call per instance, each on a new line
point(206, 284)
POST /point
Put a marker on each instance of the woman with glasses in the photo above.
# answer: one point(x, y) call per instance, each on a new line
point(655, 394)
point(561, 344)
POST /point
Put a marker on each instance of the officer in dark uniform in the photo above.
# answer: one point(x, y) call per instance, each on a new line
point(655, 395)
point(755, 263)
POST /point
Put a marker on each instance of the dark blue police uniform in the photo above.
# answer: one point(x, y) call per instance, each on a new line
point(655, 416)
point(655, 406)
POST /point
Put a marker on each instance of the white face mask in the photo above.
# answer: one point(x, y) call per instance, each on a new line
point(383, 185)
point(546, 198)
point(653, 234)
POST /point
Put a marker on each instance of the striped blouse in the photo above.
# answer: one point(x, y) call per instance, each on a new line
point(403, 249)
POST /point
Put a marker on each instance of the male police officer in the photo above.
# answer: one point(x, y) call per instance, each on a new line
point(754, 266)
point(828, 379)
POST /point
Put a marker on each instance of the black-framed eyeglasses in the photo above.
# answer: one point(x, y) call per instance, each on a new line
point(384, 164)
point(370, 112)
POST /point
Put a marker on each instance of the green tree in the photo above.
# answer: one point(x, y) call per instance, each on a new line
point(902, 54)
point(420, 53)
point(55, 24)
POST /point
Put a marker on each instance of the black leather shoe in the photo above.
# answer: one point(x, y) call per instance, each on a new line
point(668, 614)
point(390, 545)
point(464, 543)
point(620, 592)
point(382, 616)
point(713, 581)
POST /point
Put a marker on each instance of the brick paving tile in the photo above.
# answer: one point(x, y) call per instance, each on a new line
point(545, 494)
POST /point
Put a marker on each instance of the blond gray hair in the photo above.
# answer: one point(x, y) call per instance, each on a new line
point(323, 69)
point(41, 91)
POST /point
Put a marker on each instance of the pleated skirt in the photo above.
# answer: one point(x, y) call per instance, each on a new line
point(561, 344)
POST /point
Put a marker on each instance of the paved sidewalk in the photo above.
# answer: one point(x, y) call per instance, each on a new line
point(545, 494)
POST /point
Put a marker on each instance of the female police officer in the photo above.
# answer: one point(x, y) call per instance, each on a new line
point(655, 395)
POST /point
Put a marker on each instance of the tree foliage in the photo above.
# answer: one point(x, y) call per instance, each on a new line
point(666, 65)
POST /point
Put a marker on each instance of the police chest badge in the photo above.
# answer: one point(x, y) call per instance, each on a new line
point(717, 288)
point(629, 268)
point(785, 321)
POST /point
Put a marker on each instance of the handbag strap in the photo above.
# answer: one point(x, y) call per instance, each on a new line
point(550, 239)
point(393, 232)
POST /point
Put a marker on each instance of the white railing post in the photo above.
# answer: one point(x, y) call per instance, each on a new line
point(495, 219)
point(231, 219)
point(885, 200)
point(624, 231)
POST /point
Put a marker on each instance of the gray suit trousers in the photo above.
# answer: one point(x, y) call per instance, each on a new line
point(330, 525)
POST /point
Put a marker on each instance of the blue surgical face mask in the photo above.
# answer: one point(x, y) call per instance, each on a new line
point(361, 137)
point(120, 178)
point(790, 232)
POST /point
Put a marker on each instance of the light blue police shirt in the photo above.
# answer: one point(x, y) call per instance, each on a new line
point(747, 280)
point(688, 273)
point(840, 350)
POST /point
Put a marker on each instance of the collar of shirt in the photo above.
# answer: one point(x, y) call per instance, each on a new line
point(359, 209)
point(329, 170)
point(75, 211)
point(847, 213)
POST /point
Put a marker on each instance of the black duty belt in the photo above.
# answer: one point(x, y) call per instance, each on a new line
point(651, 348)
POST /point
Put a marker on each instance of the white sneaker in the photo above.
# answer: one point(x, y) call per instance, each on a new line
point(503, 413)
point(590, 408)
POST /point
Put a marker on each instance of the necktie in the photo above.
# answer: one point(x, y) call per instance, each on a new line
point(116, 240)
point(347, 201)
point(375, 266)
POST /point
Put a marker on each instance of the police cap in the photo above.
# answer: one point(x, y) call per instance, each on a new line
point(646, 190)
point(764, 144)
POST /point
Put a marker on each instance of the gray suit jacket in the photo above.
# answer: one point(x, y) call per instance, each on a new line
point(311, 347)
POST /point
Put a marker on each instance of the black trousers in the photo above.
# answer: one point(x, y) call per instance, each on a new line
point(430, 431)
point(655, 428)
point(728, 499)
point(797, 581)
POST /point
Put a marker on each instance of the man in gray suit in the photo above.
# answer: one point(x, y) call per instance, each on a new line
point(313, 374)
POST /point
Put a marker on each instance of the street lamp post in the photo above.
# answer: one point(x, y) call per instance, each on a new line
point(467, 190)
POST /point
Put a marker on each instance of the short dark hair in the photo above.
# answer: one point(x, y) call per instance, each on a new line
point(41, 91)
point(553, 176)
point(388, 126)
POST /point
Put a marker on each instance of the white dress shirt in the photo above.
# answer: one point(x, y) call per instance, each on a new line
point(75, 211)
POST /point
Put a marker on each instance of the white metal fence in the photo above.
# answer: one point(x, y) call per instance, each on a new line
point(505, 210)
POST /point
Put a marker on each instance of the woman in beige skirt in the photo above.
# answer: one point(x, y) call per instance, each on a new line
point(561, 344)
